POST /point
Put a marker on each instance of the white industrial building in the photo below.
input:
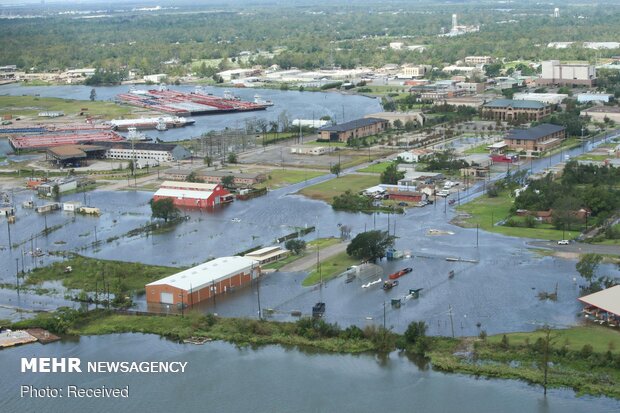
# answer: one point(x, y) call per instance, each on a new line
point(548, 98)
point(200, 283)
point(567, 74)
point(594, 97)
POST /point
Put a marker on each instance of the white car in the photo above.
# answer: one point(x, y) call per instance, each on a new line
point(563, 242)
point(443, 193)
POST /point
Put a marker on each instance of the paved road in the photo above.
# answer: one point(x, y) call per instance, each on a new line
point(578, 247)
point(309, 260)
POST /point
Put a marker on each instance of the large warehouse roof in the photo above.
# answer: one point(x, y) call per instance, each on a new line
point(183, 193)
point(517, 104)
point(354, 124)
point(608, 300)
point(188, 185)
point(203, 275)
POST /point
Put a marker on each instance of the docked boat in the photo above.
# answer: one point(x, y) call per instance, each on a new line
point(389, 284)
point(260, 101)
point(161, 123)
point(400, 273)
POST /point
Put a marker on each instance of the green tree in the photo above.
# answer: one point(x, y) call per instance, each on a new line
point(391, 174)
point(370, 245)
point(296, 246)
point(232, 157)
point(335, 169)
point(398, 124)
point(415, 330)
point(208, 160)
point(163, 208)
point(587, 266)
point(193, 177)
point(228, 181)
point(93, 95)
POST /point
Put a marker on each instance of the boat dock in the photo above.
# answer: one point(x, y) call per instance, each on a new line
point(43, 336)
point(185, 104)
point(10, 338)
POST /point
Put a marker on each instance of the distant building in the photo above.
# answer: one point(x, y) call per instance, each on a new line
point(411, 72)
point(548, 98)
point(540, 138)
point(567, 74)
point(414, 155)
point(309, 150)
point(508, 109)
point(240, 179)
point(467, 101)
point(267, 254)
point(158, 78)
point(599, 113)
point(404, 117)
point(354, 129)
point(161, 152)
point(594, 97)
point(479, 60)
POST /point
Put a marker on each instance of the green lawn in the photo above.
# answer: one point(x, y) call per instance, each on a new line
point(310, 249)
point(376, 167)
point(477, 149)
point(330, 268)
point(90, 272)
point(328, 144)
point(486, 211)
point(283, 177)
point(600, 338)
point(326, 191)
point(32, 105)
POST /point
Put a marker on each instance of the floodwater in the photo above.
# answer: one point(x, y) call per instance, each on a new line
point(304, 105)
point(222, 378)
point(497, 294)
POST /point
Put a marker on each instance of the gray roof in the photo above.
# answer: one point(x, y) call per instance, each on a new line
point(354, 124)
point(534, 133)
point(517, 104)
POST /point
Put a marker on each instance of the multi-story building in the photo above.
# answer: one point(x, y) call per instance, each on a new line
point(160, 152)
point(540, 138)
point(567, 74)
point(411, 72)
point(508, 109)
point(478, 60)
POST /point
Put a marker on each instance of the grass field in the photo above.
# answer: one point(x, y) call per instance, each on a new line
point(283, 177)
point(330, 268)
point(486, 212)
point(477, 149)
point(326, 191)
point(32, 105)
point(89, 272)
point(601, 339)
point(376, 168)
point(310, 249)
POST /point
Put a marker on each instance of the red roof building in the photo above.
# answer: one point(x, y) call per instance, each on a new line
point(193, 195)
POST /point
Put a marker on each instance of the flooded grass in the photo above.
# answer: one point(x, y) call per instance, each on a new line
point(330, 268)
point(326, 191)
point(88, 273)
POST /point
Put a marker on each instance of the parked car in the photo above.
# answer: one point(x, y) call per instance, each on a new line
point(443, 193)
point(563, 242)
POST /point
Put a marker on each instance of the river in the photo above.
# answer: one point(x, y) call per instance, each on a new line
point(223, 378)
point(304, 105)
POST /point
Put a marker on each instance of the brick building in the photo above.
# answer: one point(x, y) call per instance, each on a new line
point(200, 283)
point(358, 128)
point(537, 139)
point(508, 109)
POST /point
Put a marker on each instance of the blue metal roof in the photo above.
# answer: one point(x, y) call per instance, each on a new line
point(534, 133)
point(354, 124)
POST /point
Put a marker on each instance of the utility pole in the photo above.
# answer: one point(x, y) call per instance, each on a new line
point(95, 235)
point(17, 274)
point(260, 313)
point(182, 305)
point(477, 228)
point(451, 321)
point(8, 227)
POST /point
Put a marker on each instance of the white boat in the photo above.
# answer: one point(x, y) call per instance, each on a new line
point(260, 101)
point(235, 220)
point(371, 283)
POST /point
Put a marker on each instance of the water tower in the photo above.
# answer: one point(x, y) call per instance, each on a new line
point(454, 23)
point(556, 12)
